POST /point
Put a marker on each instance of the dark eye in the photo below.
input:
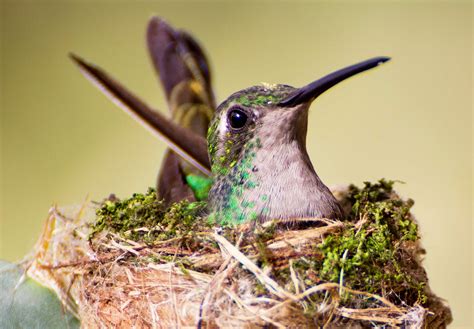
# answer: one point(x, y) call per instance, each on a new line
point(237, 118)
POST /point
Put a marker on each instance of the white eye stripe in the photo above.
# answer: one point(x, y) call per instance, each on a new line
point(223, 125)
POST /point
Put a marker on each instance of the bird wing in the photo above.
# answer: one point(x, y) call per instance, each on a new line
point(183, 70)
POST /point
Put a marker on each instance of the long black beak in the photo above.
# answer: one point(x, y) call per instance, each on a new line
point(316, 88)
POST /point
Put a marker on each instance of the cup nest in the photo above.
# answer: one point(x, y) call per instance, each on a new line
point(135, 262)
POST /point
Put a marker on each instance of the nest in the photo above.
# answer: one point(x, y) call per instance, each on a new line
point(137, 263)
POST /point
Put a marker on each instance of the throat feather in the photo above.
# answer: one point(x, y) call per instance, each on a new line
point(232, 182)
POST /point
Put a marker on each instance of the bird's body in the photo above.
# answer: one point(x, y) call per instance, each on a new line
point(255, 159)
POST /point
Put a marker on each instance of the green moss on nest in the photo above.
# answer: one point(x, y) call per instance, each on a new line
point(370, 254)
point(143, 218)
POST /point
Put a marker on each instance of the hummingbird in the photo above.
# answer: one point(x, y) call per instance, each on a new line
point(253, 165)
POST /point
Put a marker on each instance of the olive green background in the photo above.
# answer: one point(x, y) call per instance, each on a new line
point(410, 119)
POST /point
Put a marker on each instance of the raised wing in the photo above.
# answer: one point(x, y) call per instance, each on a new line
point(183, 70)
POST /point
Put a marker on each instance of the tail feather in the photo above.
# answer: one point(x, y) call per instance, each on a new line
point(188, 145)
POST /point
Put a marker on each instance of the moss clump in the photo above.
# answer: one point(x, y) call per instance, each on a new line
point(371, 255)
point(143, 218)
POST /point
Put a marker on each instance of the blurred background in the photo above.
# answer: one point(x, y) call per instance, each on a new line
point(411, 119)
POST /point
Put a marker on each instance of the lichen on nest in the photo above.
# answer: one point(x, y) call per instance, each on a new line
point(363, 271)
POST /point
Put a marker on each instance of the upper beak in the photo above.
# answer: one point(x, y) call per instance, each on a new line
point(314, 89)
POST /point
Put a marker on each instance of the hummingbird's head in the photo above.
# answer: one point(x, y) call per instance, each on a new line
point(257, 148)
point(267, 116)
